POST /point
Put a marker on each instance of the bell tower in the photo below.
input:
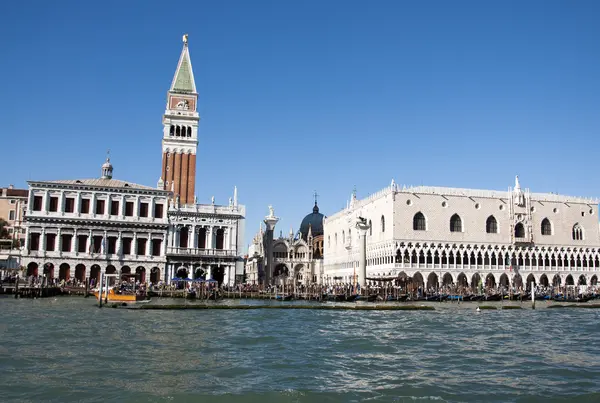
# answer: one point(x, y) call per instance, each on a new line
point(180, 132)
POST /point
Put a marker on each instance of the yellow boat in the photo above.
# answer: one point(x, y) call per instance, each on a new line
point(114, 296)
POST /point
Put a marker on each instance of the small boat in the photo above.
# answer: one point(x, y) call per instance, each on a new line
point(351, 298)
point(284, 297)
point(118, 296)
point(493, 297)
point(368, 298)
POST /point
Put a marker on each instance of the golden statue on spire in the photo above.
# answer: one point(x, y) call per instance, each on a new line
point(185, 39)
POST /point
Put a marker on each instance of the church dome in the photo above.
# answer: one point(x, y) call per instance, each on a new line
point(315, 221)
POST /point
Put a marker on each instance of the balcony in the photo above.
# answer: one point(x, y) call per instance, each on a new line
point(201, 252)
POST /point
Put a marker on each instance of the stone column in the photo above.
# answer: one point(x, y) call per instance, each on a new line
point(74, 242)
point(78, 203)
point(43, 241)
point(209, 237)
point(88, 247)
point(134, 245)
point(270, 221)
point(149, 245)
point(61, 204)
point(208, 275)
point(119, 246)
point(363, 227)
point(46, 202)
point(58, 243)
point(194, 237)
point(163, 245)
point(27, 236)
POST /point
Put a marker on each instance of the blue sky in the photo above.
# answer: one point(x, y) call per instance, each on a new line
point(298, 96)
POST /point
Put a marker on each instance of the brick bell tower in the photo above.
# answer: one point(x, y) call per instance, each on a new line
point(180, 132)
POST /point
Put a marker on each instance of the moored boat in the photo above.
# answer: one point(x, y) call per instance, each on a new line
point(120, 296)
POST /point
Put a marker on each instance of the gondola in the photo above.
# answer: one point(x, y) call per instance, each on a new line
point(191, 295)
point(493, 297)
point(368, 298)
point(402, 298)
point(351, 298)
point(215, 296)
point(284, 297)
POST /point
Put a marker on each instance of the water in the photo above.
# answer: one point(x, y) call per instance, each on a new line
point(67, 350)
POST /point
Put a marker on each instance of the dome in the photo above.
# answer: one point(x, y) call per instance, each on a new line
point(315, 220)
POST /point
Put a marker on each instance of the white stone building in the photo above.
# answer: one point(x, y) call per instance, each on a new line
point(438, 235)
point(84, 227)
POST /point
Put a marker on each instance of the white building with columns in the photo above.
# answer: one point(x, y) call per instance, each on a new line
point(438, 235)
point(78, 229)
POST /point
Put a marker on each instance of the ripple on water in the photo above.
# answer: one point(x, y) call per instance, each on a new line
point(66, 350)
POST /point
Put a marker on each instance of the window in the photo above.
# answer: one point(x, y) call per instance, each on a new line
point(34, 241)
point(455, 223)
point(419, 223)
point(11, 215)
point(129, 209)
point(143, 209)
point(37, 203)
point(370, 228)
point(81, 243)
point(69, 205)
point(141, 246)
point(519, 231)
point(158, 212)
point(13, 201)
point(85, 206)
point(53, 204)
point(50, 242)
point(127, 246)
point(99, 206)
point(546, 227)
point(156, 244)
point(114, 207)
point(491, 225)
point(112, 245)
point(382, 224)
point(577, 233)
point(65, 242)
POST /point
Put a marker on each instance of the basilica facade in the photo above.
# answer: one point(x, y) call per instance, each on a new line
point(296, 259)
point(440, 236)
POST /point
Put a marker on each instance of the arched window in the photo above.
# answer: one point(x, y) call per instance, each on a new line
point(382, 224)
point(178, 131)
point(172, 130)
point(419, 223)
point(329, 241)
point(335, 238)
point(189, 131)
point(343, 238)
point(491, 225)
point(577, 232)
point(546, 227)
point(455, 223)
point(370, 228)
point(519, 231)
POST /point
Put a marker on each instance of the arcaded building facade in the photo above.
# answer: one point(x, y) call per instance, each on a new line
point(78, 229)
point(441, 236)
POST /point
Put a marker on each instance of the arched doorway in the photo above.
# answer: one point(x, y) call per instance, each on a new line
point(49, 270)
point(447, 279)
point(476, 282)
point(432, 281)
point(64, 272)
point(200, 272)
point(182, 272)
point(530, 279)
point(544, 280)
point(594, 280)
point(32, 269)
point(125, 270)
point(110, 269)
point(418, 280)
point(582, 280)
point(503, 282)
point(94, 275)
point(462, 281)
point(569, 280)
point(140, 274)
point(154, 275)
point(80, 272)
point(518, 281)
point(556, 280)
point(490, 281)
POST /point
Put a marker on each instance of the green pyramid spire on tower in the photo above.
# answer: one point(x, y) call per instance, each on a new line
point(183, 81)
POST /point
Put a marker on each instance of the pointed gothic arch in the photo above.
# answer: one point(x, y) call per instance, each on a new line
point(456, 223)
point(419, 222)
point(546, 227)
point(491, 225)
point(519, 231)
